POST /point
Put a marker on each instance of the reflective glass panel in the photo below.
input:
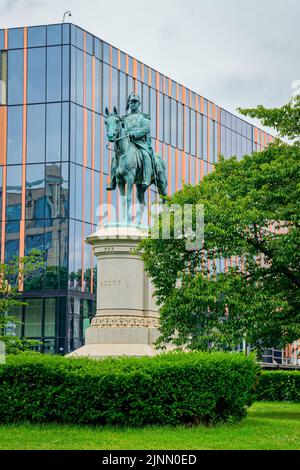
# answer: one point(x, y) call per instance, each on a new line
point(53, 136)
point(54, 73)
point(50, 312)
point(15, 38)
point(15, 77)
point(36, 133)
point(14, 134)
point(36, 36)
point(36, 75)
point(54, 35)
point(33, 318)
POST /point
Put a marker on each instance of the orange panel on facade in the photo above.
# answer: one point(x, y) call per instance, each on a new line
point(24, 145)
point(201, 104)
point(3, 145)
point(134, 68)
point(3, 130)
point(183, 95)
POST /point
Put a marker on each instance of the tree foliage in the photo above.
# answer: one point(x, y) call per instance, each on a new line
point(13, 274)
point(286, 120)
point(252, 213)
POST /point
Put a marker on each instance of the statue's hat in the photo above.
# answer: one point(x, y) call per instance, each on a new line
point(132, 96)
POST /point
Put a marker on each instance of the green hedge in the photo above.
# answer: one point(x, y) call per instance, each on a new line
point(280, 385)
point(173, 388)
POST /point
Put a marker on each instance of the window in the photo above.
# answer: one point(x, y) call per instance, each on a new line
point(53, 134)
point(89, 44)
point(36, 36)
point(15, 77)
point(50, 311)
point(233, 143)
point(215, 141)
point(173, 123)
point(65, 132)
point(106, 52)
point(161, 117)
point(78, 195)
point(3, 77)
point(180, 125)
point(89, 139)
point(88, 81)
point(65, 74)
point(66, 33)
point(193, 132)
point(98, 49)
point(173, 175)
point(204, 138)
point(98, 86)
point(64, 190)
point(200, 135)
point(72, 190)
point(16, 38)
point(123, 62)
point(14, 134)
point(87, 195)
point(145, 100)
point(1, 39)
point(79, 38)
point(187, 129)
point(153, 112)
point(79, 135)
point(33, 318)
point(36, 133)
point(35, 191)
point(97, 145)
point(105, 86)
point(73, 74)
point(54, 35)
point(115, 88)
point(130, 66)
point(13, 192)
point(114, 57)
point(228, 143)
point(36, 75)
point(167, 124)
point(79, 77)
point(53, 73)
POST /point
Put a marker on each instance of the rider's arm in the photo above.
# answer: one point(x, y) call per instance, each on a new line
point(143, 130)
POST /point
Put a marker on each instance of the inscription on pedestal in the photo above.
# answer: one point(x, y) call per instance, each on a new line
point(110, 283)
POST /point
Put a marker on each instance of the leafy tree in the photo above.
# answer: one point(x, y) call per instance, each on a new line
point(12, 275)
point(286, 120)
point(252, 217)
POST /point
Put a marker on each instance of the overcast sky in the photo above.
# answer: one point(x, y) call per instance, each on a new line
point(234, 52)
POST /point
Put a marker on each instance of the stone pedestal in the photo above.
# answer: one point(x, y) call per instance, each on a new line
point(126, 321)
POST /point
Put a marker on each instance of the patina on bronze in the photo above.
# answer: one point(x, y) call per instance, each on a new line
point(134, 161)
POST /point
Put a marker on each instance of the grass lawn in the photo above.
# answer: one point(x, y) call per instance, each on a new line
point(267, 426)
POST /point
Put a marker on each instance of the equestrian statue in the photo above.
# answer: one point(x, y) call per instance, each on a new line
point(133, 161)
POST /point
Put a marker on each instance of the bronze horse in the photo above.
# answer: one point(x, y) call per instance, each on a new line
point(130, 167)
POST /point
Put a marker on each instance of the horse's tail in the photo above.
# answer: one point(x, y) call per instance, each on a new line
point(161, 174)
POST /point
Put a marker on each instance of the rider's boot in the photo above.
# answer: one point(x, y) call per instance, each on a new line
point(147, 172)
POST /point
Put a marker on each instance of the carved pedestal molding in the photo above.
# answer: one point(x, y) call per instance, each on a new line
point(127, 319)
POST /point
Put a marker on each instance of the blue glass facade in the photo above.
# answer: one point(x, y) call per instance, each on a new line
point(54, 164)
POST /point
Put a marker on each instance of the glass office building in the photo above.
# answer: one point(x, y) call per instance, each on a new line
point(55, 82)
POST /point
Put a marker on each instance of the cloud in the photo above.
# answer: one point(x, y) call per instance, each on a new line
point(234, 53)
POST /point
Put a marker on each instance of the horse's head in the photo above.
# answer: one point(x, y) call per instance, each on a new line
point(113, 124)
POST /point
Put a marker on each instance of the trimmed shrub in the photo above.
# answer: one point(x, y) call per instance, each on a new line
point(169, 389)
point(281, 385)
